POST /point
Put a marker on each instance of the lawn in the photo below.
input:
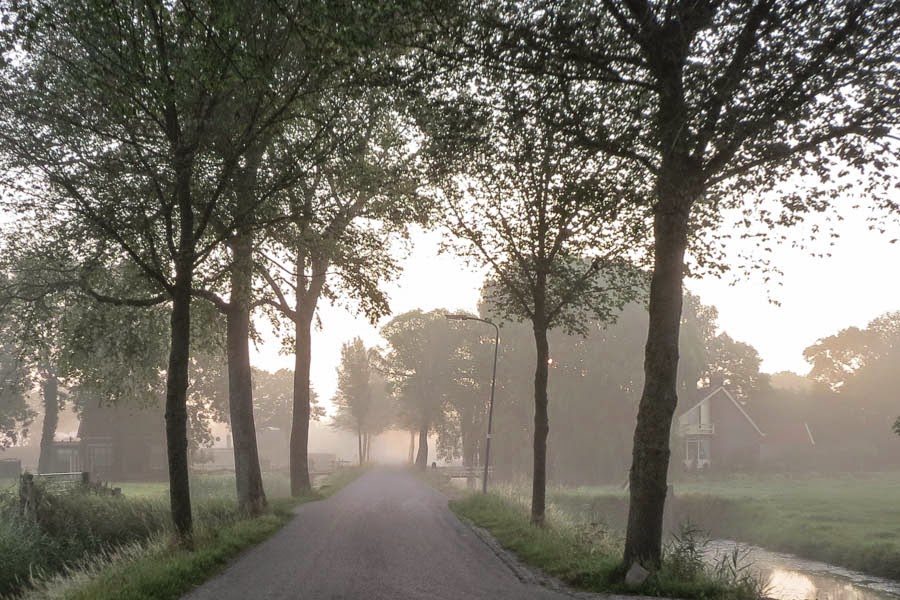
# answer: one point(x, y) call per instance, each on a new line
point(848, 521)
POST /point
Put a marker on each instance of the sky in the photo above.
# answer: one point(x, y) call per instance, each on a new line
point(816, 297)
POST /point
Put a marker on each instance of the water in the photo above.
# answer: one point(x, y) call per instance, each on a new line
point(793, 578)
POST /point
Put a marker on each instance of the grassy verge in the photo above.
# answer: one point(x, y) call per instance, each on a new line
point(156, 568)
point(588, 556)
point(853, 522)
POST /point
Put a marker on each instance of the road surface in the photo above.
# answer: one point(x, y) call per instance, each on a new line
point(385, 536)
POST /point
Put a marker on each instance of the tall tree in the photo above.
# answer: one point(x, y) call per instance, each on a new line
point(336, 240)
point(719, 102)
point(552, 219)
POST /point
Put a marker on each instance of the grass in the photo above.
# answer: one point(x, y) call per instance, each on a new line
point(853, 522)
point(158, 569)
point(588, 556)
point(207, 485)
point(153, 566)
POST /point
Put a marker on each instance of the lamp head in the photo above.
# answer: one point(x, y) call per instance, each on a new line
point(457, 317)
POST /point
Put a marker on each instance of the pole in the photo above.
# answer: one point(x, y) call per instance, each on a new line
point(487, 444)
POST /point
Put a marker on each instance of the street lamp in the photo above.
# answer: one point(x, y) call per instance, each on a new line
point(487, 445)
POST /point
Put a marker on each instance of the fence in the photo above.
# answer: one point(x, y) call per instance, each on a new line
point(29, 492)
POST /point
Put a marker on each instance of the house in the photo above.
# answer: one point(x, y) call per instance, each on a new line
point(717, 432)
point(115, 443)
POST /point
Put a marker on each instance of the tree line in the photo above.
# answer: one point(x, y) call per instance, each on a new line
point(260, 157)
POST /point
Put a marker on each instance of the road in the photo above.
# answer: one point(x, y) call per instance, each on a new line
point(386, 536)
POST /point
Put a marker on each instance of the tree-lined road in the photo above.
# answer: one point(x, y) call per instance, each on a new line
point(385, 536)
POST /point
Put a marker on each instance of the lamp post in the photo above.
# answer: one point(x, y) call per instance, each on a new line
point(487, 445)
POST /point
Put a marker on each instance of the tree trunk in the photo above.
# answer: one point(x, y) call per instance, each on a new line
point(179, 356)
point(300, 483)
point(248, 478)
point(359, 446)
point(541, 425)
point(422, 454)
point(412, 446)
point(650, 456)
point(50, 393)
point(176, 404)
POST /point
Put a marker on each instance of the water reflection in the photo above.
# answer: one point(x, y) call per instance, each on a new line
point(792, 578)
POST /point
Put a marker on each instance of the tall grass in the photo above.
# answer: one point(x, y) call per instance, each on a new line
point(587, 554)
point(89, 546)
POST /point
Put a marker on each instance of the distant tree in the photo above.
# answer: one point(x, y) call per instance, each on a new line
point(866, 383)
point(273, 399)
point(836, 358)
point(422, 362)
point(353, 397)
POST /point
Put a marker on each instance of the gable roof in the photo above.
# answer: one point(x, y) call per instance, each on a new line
point(733, 401)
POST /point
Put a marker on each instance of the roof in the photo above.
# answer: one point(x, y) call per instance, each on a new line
point(733, 401)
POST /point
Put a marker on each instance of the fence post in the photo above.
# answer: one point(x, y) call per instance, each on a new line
point(27, 499)
point(85, 477)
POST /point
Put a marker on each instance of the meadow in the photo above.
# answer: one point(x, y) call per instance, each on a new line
point(851, 521)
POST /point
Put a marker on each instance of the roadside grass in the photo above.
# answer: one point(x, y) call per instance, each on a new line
point(154, 566)
point(588, 556)
point(207, 485)
point(850, 521)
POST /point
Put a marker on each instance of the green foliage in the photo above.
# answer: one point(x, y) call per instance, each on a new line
point(273, 399)
point(353, 397)
point(15, 414)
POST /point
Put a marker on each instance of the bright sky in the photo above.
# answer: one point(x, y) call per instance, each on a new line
point(818, 297)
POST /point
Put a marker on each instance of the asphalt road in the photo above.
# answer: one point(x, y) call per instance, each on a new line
point(387, 535)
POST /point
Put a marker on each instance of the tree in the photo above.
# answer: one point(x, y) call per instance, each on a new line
point(273, 399)
point(860, 365)
point(15, 415)
point(551, 218)
point(353, 397)
point(720, 102)
point(135, 105)
point(422, 362)
point(340, 222)
point(836, 358)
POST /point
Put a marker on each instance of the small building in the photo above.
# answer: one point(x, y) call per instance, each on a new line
point(115, 443)
point(717, 432)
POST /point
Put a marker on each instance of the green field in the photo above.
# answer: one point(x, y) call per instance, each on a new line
point(851, 521)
